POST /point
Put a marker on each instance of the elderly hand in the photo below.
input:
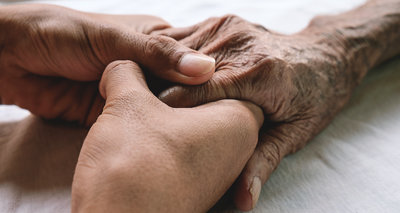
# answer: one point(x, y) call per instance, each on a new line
point(298, 87)
point(301, 81)
point(52, 57)
point(143, 156)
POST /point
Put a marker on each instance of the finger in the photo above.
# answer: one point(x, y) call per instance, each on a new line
point(146, 23)
point(126, 94)
point(139, 23)
point(162, 55)
point(195, 36)
point(122, 77)
point(176, 33)
point(221, 86)
point(273, 145)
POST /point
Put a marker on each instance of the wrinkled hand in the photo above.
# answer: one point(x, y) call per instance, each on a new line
point(143, 156)
point(52, 57)
point(296, 79)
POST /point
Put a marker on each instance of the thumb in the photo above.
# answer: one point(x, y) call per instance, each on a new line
point(163, 56)
point(273, 145)
point(219, 87)
point(123, 81)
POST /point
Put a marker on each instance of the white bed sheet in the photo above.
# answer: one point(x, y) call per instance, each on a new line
point(352, 166)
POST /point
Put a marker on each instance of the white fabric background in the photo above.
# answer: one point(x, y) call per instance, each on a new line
point(352, 166)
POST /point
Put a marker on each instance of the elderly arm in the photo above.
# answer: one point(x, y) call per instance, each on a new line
point(363, 37)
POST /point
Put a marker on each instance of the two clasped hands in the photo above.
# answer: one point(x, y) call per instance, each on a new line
point(241, 98)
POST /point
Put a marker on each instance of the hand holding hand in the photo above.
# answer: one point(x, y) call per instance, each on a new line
point(143, 156)
point(51, 57)
point(299, 83)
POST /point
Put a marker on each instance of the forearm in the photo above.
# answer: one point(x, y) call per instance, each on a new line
point(362, 38)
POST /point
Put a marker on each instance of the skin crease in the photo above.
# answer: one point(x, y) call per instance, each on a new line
point(300, 81)
point(51, 57)
point(320, 47)
point(129, 164)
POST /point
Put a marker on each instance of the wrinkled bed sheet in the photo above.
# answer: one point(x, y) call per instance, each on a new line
point(352, 166)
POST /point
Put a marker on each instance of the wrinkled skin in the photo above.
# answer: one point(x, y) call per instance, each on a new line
point(52, 57)
point(144, 156)
point(300, 81)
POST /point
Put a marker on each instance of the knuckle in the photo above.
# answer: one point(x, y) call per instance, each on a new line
point(239, 113)
point(261, 27)
point(234, 33)
point(231, 18)
point(158, 45)
point(318, 21)
point(277, 75)
point(235, 23)
point(224, 23)
point(227, 21)
point(239, 39)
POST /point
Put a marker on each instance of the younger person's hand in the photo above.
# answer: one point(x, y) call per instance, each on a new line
point(51, 57)
point(144, 156)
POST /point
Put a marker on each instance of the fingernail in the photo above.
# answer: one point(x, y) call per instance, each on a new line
point(255, 190)
point(195, 65)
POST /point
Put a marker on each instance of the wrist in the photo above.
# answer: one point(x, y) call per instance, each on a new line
point(347, 58)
